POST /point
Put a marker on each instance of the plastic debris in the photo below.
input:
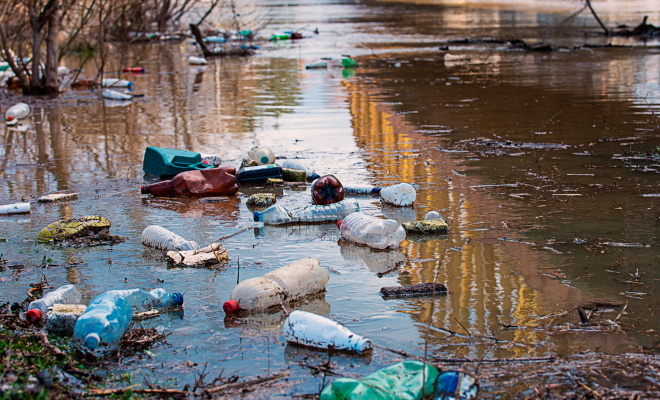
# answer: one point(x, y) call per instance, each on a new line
point(432, 215)
point(259, 174)
point(277, 215)
point(361, 189)
point(167, 163)
point(209, 255)
point(261, 199)
point(274, 181)
point(212, 159)
point(402, 194)
point(208, 182)
point(295, 164)
point(371, 231)
point(37, 310)
point(293, 175)
point(117, 83)
point(219, 199)
point(17, 208)
point(163, 239)
point(327, 190)
point(192, 60)
point(348, 62)
point(292, 282)
point(98, 331)
point(407, 380)
point(248, 163)
point(16, 112)
point(62, 319)
point(51, 198)
point(438, 225)
point(88, 230)
point(420, 289)
point(115, 95)
point(313, 330)
point(262, 155)
point(317, 65)
point(454, 385)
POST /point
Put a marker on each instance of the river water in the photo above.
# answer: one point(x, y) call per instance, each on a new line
point(546, 164)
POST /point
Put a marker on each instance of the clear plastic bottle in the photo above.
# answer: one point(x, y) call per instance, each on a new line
point(276, 214)
point(192, 60)
point(115, 95)
point(16, 112)
point(314, 330)
point(100, 328)
point(295, 164)
point(160, 238)
point(262, 155)
point(372, 231)
point(361, 189)
point(402, 194)
point(432, 215)
point(117, 83)
point(67, 294)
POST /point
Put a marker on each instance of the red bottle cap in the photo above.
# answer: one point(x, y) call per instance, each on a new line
point(339, 224)
point(10, 118)
point(230, 306)
point(33, 316)
point(205, 162)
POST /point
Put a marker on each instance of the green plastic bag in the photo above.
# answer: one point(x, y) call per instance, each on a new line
point(399, 381)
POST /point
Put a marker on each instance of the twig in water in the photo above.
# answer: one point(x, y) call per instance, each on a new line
point(464, 328)
point(622, 310)
point(233, 234)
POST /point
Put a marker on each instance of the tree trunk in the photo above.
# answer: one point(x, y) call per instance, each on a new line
point(35, 24)
point(51, 56)
point(164, 16)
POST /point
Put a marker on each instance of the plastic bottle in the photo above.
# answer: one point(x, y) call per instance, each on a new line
point(115, 95)
point(17, 208)
point(262, 155)
point(314, 330)
point(361, 189)
point(292, 282)
point(294, 164)
point(402, 194)
point(260, 173)
point(62, 318)
point(16, 112)
point(212, 159)
point(455, 385)
point(378, 261)
point(372, 231)
point(67, 294)
point(192, 60)
point(114, 82)
point(317, 65)
point(348, 62)
point(432, 215)
point(105, 320)
point(137, 70)
point(327, 190)
point(62, 70)
point(160, 238)
point(277, 215)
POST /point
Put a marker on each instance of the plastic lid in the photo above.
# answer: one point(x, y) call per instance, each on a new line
point(130, 84)
point(10, 117)
point(230, 306)
point(177, 299)
point(256, 216)
point(33, 315)
point(315, 177)
point(92, 341)
point(205, 162)
point(264, 160)
point(339, 223)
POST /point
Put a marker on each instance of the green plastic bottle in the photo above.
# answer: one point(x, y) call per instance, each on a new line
point(349, 63)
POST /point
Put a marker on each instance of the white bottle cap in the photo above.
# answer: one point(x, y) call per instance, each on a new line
point(92, 341)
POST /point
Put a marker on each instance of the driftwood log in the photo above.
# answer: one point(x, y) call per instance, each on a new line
point(420, 289)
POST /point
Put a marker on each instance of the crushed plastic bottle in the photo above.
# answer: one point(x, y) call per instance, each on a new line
point(455, 385)
point(17, 208)
point(295, 164)
point(192, 60)
point(402, 194)
point(372, 231)
point(314, 330)
point(160, 238)
point(100, 328)
point(116, 83)
point(292, 282)
point(37, 310)
point(361, 189)
point(115, 95)
point(277, 215)
point(16, 112)
point(221, 181)
point(432, 215)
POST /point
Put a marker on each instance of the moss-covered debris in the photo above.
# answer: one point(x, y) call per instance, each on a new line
point(437, 225)
point(261, 199)
point(293, 175)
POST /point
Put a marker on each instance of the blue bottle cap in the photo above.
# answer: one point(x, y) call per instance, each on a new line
point(315, 176)
point(177, 299)
point(130, 84)
point(264, 160)
point(256, 216)
point(375, 190)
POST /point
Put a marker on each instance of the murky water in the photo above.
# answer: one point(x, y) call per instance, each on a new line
point(524, 152)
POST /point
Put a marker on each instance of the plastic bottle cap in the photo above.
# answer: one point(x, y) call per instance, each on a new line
point(92, 341)
point(144, 189)
point(205, 162)
point(256, 216)
point(130, 84)
point(339, 224)
point(315, 177)
point(264, 160)
point(10, 118)
point(230, 306)
point(33, 316)
point(177, 299)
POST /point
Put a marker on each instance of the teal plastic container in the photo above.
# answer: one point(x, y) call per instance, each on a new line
point(166, 163)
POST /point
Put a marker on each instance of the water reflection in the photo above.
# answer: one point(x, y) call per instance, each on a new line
point(378, 261)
